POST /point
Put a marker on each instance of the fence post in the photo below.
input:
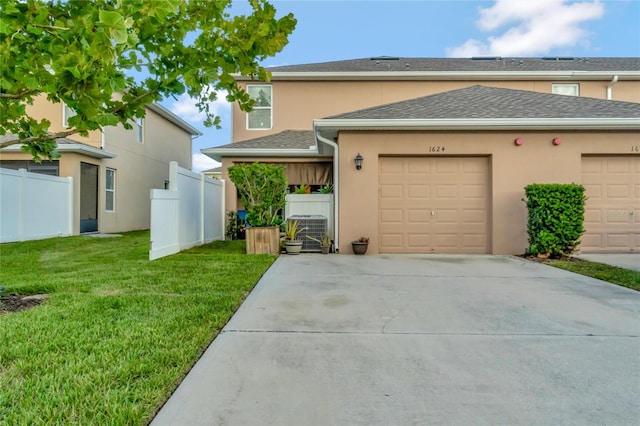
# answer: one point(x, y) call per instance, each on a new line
point(21, 201)
point(223, 212)
point(173, 176)
point(70, 205)
point(202, 210)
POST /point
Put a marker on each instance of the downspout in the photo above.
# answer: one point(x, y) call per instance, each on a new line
point(335, 187)
point(610, 86)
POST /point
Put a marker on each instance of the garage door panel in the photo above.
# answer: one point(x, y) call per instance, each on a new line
point(391, 191)
point(446, 191)
point(418, 191)
point(612, 186)
point(444, 205)
point(418, 240)
point(447, 216)
point(618, 191)
point(418, 216)
point(391, 216)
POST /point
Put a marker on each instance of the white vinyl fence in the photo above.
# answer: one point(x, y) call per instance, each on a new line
point(189, 213)
point(34, 206)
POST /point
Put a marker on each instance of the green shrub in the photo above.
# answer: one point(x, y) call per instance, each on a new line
point(555, 218)
point(262, 188)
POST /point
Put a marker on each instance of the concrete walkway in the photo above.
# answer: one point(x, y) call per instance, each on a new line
point(402, 340)
point(623, 260)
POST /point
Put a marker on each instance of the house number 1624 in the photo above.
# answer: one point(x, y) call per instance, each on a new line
point(436, 149)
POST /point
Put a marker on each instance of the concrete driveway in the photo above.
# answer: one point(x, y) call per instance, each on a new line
point(425, 339)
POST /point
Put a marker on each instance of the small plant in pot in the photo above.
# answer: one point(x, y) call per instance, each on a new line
point(325, 242)
point(360, 245)
point(291, 242)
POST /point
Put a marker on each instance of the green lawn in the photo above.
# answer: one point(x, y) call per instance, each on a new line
point(613, 274)
point(118, 332)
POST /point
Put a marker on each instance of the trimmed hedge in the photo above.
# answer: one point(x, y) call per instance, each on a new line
point(555, 218)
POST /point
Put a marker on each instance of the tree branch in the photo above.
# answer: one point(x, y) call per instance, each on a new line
point(31, 139)
point(18, 95)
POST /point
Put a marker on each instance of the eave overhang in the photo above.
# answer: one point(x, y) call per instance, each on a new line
point(218, 153)
point(329, 128)
point(78, 148)
point(449, 75)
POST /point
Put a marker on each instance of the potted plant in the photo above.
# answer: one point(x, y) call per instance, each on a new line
point(291, 242)
point(360, 245)
point(325, 242)
point(262, 189)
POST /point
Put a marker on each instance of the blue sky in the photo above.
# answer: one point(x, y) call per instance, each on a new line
point(334, 30)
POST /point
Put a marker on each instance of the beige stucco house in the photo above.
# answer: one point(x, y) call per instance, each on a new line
point(114, 170)
point(448, 145)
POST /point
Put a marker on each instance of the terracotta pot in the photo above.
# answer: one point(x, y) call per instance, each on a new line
point(325, 249)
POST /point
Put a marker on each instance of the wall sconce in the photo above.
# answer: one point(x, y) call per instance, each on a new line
point(517, 142)
point(556, 141)
point(358, 161)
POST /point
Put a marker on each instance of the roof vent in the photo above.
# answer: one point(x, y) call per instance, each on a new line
point(385, 58)
point(559, 58)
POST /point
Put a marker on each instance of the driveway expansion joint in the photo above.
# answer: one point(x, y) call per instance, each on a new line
point(411, 333)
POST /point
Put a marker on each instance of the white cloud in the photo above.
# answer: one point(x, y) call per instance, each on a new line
point(532, 27)
point(200, 162)
point(185, 107)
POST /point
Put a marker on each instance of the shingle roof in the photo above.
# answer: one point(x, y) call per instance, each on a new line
point(288, 139)
point(495, 64)
point(481, 102)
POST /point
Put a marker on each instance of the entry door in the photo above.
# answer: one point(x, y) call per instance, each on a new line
point(88, 197)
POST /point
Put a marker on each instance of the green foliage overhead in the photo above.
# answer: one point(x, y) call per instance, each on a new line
point(555, 218)
point(262, 188)
point(86, 53)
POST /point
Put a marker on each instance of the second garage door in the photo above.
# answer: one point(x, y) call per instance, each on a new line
point(433, 204)
point(612, 210)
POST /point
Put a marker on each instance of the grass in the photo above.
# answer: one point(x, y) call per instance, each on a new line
point(118, 332)
point(613, 274)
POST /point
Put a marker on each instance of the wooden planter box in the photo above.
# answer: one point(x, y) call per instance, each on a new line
point(263, 240)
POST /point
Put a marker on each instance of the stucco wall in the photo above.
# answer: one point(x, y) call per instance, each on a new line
point(297, 103)
point(140, 167)
point(512, 168)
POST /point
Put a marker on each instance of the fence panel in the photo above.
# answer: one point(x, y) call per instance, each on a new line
point(189, 213)
point(34, 206)
point(165, 223)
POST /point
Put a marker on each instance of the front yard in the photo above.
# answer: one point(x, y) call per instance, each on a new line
point(117, 333)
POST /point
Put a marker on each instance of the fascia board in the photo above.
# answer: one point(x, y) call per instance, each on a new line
point(73, 148)
point(482, 124)
point(217, 153)
point(451, 75)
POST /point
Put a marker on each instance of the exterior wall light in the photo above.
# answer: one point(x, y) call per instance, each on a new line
point(517, 142)
point(556, 141)
point(358, 161)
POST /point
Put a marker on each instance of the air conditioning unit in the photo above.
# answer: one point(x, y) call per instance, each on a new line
point(312, 225)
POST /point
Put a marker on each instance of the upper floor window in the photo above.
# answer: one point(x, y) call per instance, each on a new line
point(261, 116)
point(566, 89)
point(140, 130)
point(67, 113)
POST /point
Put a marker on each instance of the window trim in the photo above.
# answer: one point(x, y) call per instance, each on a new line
point(139, 129)
point(261, 108)
point(108, 190)
point(66, 116)
point(575, 85)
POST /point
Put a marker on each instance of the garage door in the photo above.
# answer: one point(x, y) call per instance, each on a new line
point(612, 210)
point(433, 204)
